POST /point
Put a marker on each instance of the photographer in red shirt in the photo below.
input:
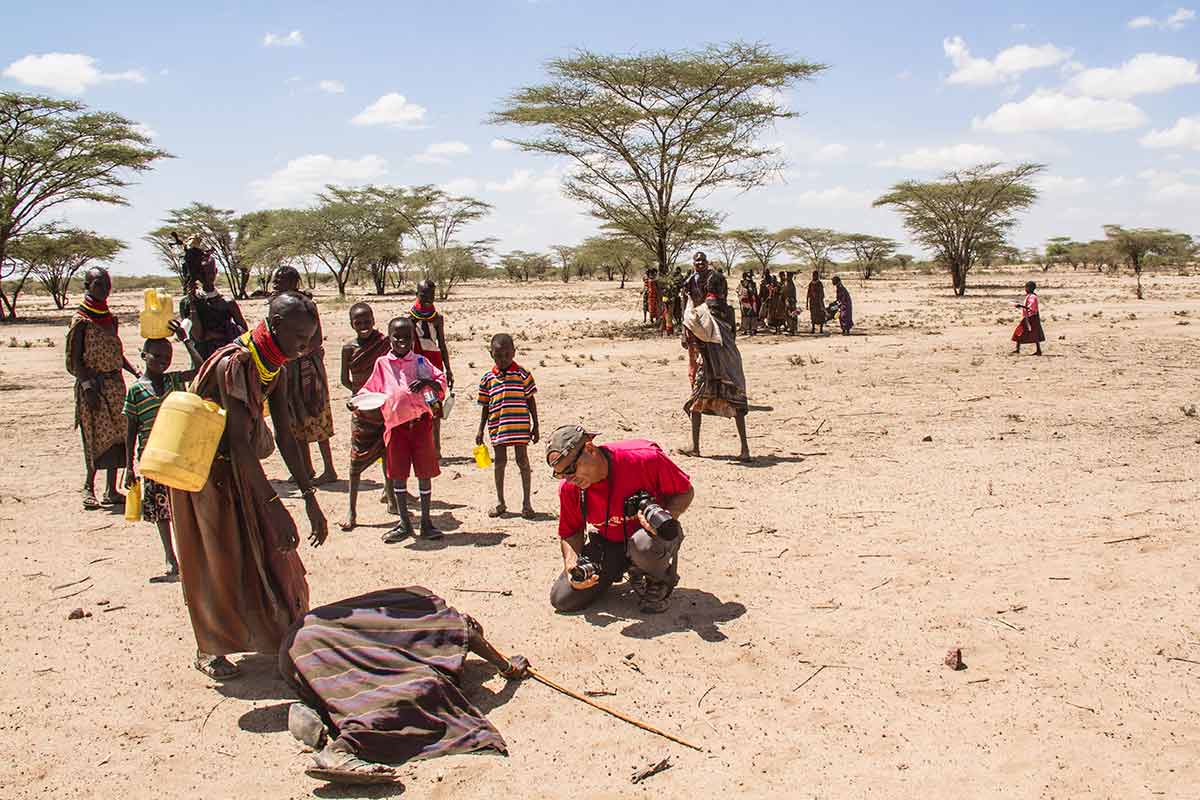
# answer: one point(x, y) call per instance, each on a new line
point(633, 495)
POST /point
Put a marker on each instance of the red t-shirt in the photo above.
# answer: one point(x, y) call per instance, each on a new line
point(633, 465)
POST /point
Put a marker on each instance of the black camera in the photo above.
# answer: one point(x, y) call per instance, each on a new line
point(584, 569)
point(665, 526)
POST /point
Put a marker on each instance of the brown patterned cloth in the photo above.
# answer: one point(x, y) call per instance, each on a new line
point(241, 591)
point(103, 428)
point(307, 387)
point(383, 671)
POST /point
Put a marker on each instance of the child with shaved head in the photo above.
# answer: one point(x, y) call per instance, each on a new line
point(509, 410)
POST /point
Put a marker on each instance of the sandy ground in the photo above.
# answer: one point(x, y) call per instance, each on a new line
point(821, 586)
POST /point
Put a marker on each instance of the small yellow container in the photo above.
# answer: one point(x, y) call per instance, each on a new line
point(183, 441)
point(157, 311)
point(133, 502)
point(483, 459)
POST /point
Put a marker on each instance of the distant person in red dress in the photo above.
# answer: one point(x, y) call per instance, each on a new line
point(1029, 329)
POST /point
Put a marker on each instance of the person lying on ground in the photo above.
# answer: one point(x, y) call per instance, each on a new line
point(379, 679)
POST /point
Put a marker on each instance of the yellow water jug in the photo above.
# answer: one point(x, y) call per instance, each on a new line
point(183, 441)
point(133, 502)
point(483, 459)
point(157, 310)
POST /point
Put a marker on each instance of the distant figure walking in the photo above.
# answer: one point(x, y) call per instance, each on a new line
point(1029, 329)
point(815, 303)
point(844, 305)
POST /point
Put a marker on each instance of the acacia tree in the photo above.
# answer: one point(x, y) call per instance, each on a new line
point(650, 135)
point(761, 243)
point(432, 219)
point(967, 213)
point(56, 258)
point(566, 260)
point(1135, 245)
point(815, 244)
point(729, 248)
point(616, 255)
point(54, 152)
point(167, 251)
point(222, 231)
point(524, 266)
point(870, 252)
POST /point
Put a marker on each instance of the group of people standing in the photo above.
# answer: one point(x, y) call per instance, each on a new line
point(773, 304)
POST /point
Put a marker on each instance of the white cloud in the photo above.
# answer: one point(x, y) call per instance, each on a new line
point(146, 130)
point(525, 180)
point(1181, 17)
point(461, 186)
point(442, 152)
point(951, 157)
point(293, 39)
point(1007, 65)
point(69, 73)
point(1184, 133)
point(829, 152)
point(1046, 110)
point(1145, 73)
point(1059, 184)
point(834, 197)
point(1169, 187)
point(302, 177)
point(331, 87)
point(391, 109)
point(503, 144)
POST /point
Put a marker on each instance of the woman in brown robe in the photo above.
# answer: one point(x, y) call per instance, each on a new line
point(815, 303)
point(242, 579)
point(96, 357)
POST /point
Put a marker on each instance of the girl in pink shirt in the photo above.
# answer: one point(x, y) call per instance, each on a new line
point(1029, 329)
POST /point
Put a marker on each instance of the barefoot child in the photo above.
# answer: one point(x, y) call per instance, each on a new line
point(509, 409)
point(141, 408)
point(366, 427)
point(408, 424)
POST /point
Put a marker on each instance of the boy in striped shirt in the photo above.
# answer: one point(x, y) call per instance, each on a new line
point(509, 410)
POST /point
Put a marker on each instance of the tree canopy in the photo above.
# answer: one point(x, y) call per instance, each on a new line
point(1134, 245)
point(870, 252)
point(967, 213)
point(650, 135)
point(54, 152)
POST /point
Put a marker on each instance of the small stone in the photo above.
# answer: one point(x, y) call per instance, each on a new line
point(78, 613)
point(954, 659)
point(927, 439)
point(102, 602)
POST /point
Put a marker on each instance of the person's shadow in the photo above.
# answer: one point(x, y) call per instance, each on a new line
point(475, 672)
point(759, 462)
point(690, 610)
point(445, 522)
point(267, 719)
point(258, 679)
point(341, 790)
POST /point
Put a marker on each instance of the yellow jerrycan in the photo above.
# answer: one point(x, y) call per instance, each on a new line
point(183, 441)
point(133, 502)
point(483, 459)
point(157, 310)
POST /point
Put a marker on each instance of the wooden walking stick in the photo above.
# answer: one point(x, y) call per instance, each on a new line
point(540, 678)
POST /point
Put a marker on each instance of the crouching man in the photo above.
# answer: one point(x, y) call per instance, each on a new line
point(633, 495)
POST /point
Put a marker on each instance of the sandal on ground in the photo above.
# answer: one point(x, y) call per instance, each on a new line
point(219, 668)
point(497, 511)
point(90, 503)
point(528, 513)
point(335, 766)
point(348, 524)
point(113, 499)
point(170, 576)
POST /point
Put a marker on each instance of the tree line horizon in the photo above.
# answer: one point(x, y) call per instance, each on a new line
point(648, 138)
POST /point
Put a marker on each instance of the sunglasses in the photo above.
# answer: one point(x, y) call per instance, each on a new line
point(563, 472)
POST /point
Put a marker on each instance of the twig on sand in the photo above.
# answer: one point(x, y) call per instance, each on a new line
point(112, 608)
point(829, 607)
point(1075, 705)
point(651, 771)
point(819, 453)
point(99, 528)
point(72, 594)
point(1060, 579)
point(794, 477)
point(818, 430)
point(501, 592)
point(874, 555)
point(810, 677)
point(980, 397)
point(98, 560)
point(1185, 660)
point(781, 552)
point(876, 586)
point(1129, 539)
point(701, 700)
point(72, 583)
point(980, 680)
point(210, 713)
point(600, 693)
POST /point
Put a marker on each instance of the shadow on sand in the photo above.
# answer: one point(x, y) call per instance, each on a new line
point(690, 610)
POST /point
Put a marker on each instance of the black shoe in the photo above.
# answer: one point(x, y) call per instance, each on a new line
point(399, 533)
point(655, 596)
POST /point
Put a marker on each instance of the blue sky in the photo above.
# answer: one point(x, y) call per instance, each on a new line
point(264, 103)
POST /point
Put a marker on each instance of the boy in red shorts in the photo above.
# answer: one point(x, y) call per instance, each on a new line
point(404, 377)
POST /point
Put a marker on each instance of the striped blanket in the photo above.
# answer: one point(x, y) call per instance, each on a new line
point(383, 671)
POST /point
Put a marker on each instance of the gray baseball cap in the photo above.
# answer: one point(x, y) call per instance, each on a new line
point(564, 441)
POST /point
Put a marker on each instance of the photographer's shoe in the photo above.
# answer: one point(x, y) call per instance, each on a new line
point(655, 596)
